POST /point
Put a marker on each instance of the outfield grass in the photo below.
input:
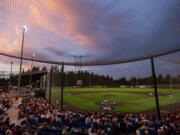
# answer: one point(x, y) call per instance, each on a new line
point(131, 102)
point(117, 97)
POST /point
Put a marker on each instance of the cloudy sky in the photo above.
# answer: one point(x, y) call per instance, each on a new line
point(99, 30)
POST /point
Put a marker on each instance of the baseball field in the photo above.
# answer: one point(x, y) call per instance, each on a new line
point(121, 99)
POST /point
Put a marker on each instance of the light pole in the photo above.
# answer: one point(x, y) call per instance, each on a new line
point(11, 74)
point(170, 80)
point(20, 68)
point(30, 80)
point(170, 77)
point(66, 79)
point(62, 85)
point(68, 89)
point(90, 80)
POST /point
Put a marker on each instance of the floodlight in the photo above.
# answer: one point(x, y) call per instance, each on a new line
point(25, 28)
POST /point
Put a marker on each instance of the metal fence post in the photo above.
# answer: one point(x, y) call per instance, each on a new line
point(155, 88)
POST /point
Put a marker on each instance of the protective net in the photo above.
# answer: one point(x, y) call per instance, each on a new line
point(125, 87)
point(107, 32)
point(122, 87)
point(88, 33)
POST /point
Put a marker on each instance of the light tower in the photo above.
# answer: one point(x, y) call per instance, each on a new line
point(20, 67)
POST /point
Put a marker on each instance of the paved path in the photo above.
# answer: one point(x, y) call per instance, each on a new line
point(13, 112)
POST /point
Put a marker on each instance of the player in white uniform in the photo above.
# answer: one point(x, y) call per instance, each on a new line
point(106, 101)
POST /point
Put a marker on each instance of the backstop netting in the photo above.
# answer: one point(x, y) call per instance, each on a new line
point(121, 88)
point(88, 37)
point(125, 87)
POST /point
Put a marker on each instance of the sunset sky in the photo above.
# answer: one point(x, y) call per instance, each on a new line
point(99, 30)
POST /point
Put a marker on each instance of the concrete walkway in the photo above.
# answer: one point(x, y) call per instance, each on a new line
point(13, 112)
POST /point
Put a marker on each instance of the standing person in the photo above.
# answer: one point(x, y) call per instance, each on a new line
point(16, 98)
point(106, 101)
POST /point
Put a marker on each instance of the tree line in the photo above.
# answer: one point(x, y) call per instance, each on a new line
point(92, 79)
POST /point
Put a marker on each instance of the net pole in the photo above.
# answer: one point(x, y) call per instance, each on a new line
point(155, 88)
point(62, 85)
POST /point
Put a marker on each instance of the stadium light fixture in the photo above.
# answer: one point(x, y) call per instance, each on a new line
point(25, 28)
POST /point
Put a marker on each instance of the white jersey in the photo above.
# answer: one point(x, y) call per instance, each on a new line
point(106, 101)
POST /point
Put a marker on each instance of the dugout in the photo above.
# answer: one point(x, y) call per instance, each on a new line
point(42, 80)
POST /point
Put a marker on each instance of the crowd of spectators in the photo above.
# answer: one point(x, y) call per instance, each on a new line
point(40, 118)
point(5, 102)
